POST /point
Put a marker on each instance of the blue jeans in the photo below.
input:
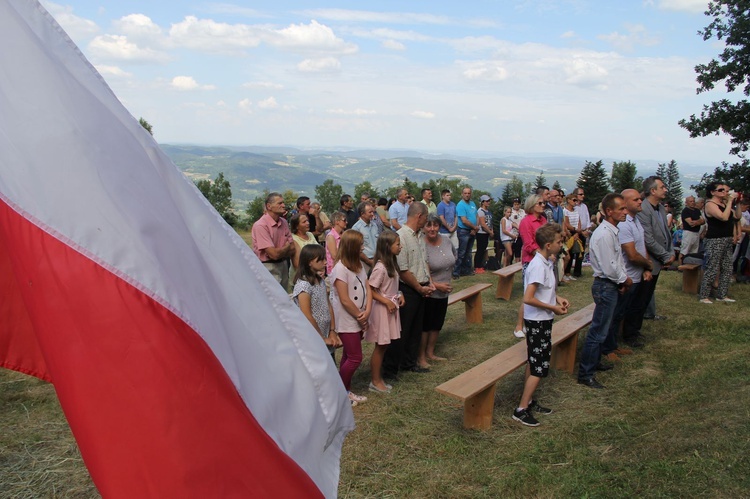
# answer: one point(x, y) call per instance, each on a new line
point(623, 303)
point(463, 258)
point(605, 295)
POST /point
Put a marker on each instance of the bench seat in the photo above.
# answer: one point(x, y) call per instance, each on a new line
point(505, 280)
point(472, 298)
point(691, 277)
point(476, 387)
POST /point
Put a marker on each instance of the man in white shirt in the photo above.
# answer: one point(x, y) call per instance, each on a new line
point(610, 280)
point(586, 227)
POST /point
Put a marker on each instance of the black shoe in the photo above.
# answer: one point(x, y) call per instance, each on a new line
point(590, 382)
point(604, 367)
point(417, 369)
point(635, 344)
point(659, 317)
point(535, 407)
point(524, 416)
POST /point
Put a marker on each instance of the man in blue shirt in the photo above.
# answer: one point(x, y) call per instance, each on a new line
point(466, 212)
point(446, 210)
point(397, 211)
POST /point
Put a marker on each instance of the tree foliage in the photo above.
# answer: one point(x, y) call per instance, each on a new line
point(731, 24)
point(256, 207)
point(540, 180)
point(363, 187)
point(557, 186)
point(145, 124)
point(624, 176)
point(671, 177)
point(329, 195)
point(515, 188)
point(594, 182)
point(219, 194)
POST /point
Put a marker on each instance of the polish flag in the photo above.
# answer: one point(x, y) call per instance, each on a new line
point(181, 365)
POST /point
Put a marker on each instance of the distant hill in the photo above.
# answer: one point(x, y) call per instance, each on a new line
point(252, 169)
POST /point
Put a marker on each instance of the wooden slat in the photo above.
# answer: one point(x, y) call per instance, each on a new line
point(466, 293)
point(509, 270)
point(572, 323)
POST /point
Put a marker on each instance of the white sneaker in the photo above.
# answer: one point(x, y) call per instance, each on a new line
point(520, 333)
point(567, 278)
point(726, 300)
point(706, 301)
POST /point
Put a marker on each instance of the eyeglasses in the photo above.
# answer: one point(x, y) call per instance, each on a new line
point(721, 190)
point(541, 203)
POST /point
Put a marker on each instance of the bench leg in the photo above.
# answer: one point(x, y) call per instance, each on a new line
point(478, 409)
point(504, 287)
point(564, 354)
point(691, 280)
point(473, 306)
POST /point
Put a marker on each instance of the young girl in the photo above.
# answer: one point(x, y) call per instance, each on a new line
point(352, 304)
point(384, 319)
point(508, 235)
point(311, 297)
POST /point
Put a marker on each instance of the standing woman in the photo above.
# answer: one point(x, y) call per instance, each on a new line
point(484, 232)
point(722, 227)
point(301, 235)
point(333, 239)
point(571, 225)
point(441, 258)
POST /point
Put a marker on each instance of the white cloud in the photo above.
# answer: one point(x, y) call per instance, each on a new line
point(322, 65)
point(352, 112)
point(586, 73)
point(246, 105)
point(113, 71)
point(393, 45)
point(186, 83)
point(137, 27)
point(209, 36)
point(314, 37)
point(119, 48)
point(636, 35)
point(269, 103)
point(695, 6)
point(377, 17)
point(263, 84)
point(423, 115)
point(77, 27)
point(236, 10)
point(569, 34)
point(486, 71)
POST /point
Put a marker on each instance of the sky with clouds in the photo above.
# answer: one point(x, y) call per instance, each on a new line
point(578, 77)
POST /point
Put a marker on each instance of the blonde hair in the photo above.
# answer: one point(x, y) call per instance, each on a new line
point(350, 247)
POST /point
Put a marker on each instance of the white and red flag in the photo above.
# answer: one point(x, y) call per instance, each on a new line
point(181, 365)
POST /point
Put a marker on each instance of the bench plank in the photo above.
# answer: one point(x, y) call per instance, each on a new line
point(505, 280)
point(691, 277)
point(476, 387)
point(472, 298)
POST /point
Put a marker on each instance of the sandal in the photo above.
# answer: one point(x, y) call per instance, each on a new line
point(357, 398)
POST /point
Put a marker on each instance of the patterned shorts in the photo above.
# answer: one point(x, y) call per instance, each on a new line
point(539, 346)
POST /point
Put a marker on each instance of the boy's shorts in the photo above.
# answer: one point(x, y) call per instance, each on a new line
point(538, 346)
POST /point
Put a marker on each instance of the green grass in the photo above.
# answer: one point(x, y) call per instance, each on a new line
point(673, 421)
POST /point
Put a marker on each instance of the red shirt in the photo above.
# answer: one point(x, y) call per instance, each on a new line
point(526, 230)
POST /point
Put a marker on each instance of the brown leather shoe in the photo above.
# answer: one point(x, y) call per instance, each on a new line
point(623, 351)
point(612, 357)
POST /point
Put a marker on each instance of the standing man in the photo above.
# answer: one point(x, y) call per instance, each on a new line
point(414, 284)
point(692, 220)
point(637, 267)
point(347, 208)
point(370, 233)
point(304, 206)
point(398, 211)
point(653, 218)
point(466, 211)
point(554, 207)
point(446, 210)
point(325, 222)
point(272, 240)
point(610, 280)
point(427, 200)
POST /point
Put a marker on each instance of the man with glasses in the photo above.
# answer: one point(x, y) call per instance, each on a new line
point(586, 227)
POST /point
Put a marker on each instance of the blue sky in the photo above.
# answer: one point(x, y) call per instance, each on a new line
point(578, 77)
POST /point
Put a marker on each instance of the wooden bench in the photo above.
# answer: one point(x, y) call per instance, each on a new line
point(472, 298)
point(505, 280)
point(691, 277)
point(476, 387)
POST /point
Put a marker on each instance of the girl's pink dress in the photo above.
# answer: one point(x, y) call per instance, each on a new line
point(384, 327)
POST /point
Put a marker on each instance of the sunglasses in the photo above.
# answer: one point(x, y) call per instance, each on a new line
point(541, 203)
point(720, 190)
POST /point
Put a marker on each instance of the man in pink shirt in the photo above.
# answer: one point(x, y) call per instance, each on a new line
point(272, 240)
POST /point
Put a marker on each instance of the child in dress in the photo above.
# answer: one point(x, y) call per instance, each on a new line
point(352, 303)
point(384, 319)
point(541, 303)
point(311, 297)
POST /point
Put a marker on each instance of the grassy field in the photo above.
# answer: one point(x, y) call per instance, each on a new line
point(673, 421)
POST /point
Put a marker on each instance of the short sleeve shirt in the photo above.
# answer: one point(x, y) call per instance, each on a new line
point(269, 234)
point(540, 272)
point(468, 210)
point(448, 211)
point(356, 284)
point(631, 231)
point(413, 256)
point(398, 212)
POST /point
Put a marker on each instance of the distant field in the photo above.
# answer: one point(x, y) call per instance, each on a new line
point(673, 421)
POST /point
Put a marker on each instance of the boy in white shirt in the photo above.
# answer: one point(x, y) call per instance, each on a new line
point(541, 304)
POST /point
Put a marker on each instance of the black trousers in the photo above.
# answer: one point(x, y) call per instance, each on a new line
point(633, 320)
point(481, 255)
point(401, 354)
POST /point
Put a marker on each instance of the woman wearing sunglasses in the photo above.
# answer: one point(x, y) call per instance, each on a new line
point(720, 236)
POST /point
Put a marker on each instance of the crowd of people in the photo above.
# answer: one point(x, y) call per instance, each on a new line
point(382, 273)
